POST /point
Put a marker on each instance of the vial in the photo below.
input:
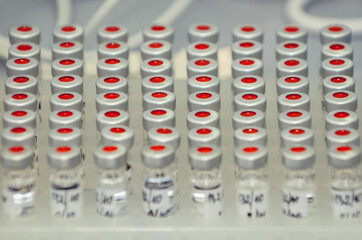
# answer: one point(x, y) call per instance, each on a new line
point(160, 188)
point(299, 181)
point(203, 117)
point(67, 66)
point(252, 181)
point(67, 49)
point(156, 66)
point(158, 32)
point(346, 181)
point(207, 187)
point(112, 66)
point(18, 191)
point(157, 83)
point(113, 49)
point(248, 32)
point(202, 49)
point(155, 49)
point(112, 33)
point(112, 182)
point(111, 83)
point(203, 32)
point(24, 33)
point(66, 191)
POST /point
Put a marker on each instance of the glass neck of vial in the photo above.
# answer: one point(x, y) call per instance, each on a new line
point(111, 175)
point(66, 178)
point(17, 178)
point(346, 178)
point(300, 176)
point(160, 175)
point(207, 178)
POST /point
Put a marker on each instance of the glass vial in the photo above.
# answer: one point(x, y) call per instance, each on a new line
point(160, 187)
point(18, 190)
point(112, 183)
point(252, 188)
point(346, 181)
point(299, 181)
point(66, 188)
point(207, 187)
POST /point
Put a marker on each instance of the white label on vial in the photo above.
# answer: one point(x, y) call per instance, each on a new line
point(295, 203)
point(252, 203)
point(18, 202)
point(66, 202)
point(158, 202)
point(111, 203)
point(211, 200)
point(347, 204)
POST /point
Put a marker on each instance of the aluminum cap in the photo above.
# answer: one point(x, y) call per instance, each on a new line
point(247, 66)
point(156, 66)
point(297, 136)
point(341, 118)
point(158, 31)
point(111, 83)
point(64, 157)
point(198, 66)
point(158, 117)
point(250, 135)
point(19, 118)
point(295, 118)
point(63, 136)
point(250, 100)
point(248, 117)
point(203, 117)
point(335, 32)
point(338, 100)
point(248, 32)
point(110, 156)
point(112, 32)
point(248, 83)
point(24, 33)
point(203, 83)
point(337, 66)
point(67, 49)
point(205, 157)
point(66, 101)
point(202, 49)
point(292, 66)
point(20, 101)
point(247, 48)
point(342, 137)
point(13, 136)
point(344, 156)
point(291, 49)
point(157, 99)
point(291, 32)
point(65, 118)
point(164, 135)
point(157, 83)
point(117, 134)
point(204, 99)
point(66, 83)
point(68, 33)
point(67, 66)
point(337, 50)
point(21, 83)
point(338, 82)
point(292, 83)
point(24, 50)
point(111, 117)
point(112, 49)
point(203, 32)
point(252, 156)
point(112, 66)
point(298, 157)
point(112, 100)
point(158, 156)
point(17, 157)
point(202, 136)
point(293, 100)
point(156, 49)
point(16, 66)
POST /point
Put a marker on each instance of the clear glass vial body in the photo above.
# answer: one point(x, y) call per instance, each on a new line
point(18, 192)
point(299, 192)
point(252, 190)
point(112, 191)
point(66, 193)
point(207, 192)
point(160, 192)
point(346, 191)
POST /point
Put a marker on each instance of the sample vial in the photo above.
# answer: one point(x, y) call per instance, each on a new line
point(252, 181)
point(112, 183)
point(207, 188)
point(66, 191)
point(299, 181)
point(159, 188)
point(18, 191)
point(346, 181)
